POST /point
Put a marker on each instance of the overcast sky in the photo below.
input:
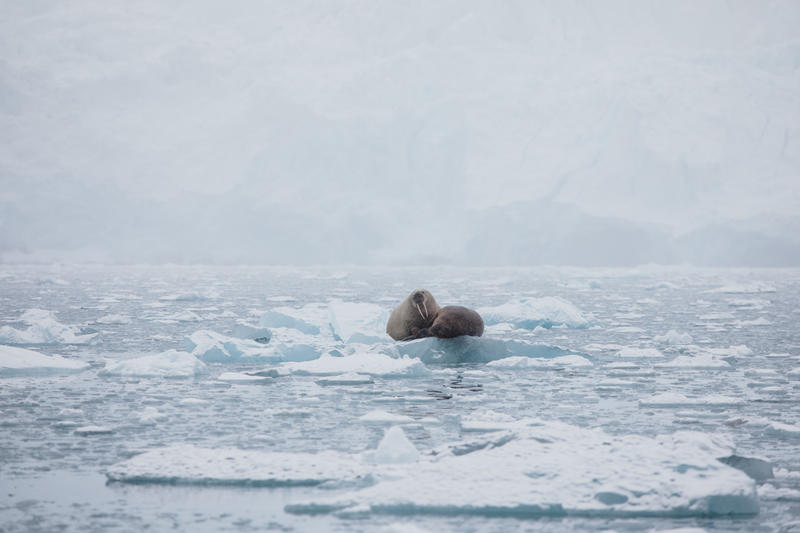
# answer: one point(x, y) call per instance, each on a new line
point(377, 131)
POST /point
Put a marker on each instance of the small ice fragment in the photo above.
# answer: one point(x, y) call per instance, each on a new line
point(395, 448)
point(169, 364)
point(673, 337)
point(382, 417)
point(16, 361)
point(674, 399)
point(239, 377)
point(93, 430)
point(635, 353)
point(345, 379)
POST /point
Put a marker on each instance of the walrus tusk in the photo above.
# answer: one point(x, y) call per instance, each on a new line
point(426, 309)
point(420, 310)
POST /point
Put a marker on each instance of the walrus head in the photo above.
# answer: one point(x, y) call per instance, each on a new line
point(424, 303)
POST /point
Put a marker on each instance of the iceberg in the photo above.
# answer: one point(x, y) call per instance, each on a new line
point(15, 361)
point(529, 313)
point(43, 329)
point(168, 364)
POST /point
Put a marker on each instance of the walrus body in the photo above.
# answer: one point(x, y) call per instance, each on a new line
point(451, 321)
point(415, 313)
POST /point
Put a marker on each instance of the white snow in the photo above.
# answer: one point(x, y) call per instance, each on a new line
point(169, 364)
point(362, 362)
point(43, 328)
point(674, 399)
point(16, 361)
point(528, 313)
point(571, 361)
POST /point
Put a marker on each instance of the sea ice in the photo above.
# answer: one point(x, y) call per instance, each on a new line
point(742, 288)
point(169, 364)
point(43, 329)
point(113, 319)
point(213, 347)
point(346, 379)
point(382, 417)
point(243, 330)
point(571, 361)
point(467, 349)
point(700, 361)
point(358, 321)
point(637, 353)
point(551, 468)
point(362, 362)
point(394, 448)
point(86, 431)
point(310, 319)
point(240, 377)
point(16, 361)
point(528, 313)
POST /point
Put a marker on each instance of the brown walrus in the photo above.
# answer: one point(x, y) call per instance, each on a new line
point(415, 313)
point(444, 323)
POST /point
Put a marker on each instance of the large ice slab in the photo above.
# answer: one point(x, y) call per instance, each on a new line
point(530, 313)
point(15, 361)
point(361, 362)
point(213, 347)
point(187, 464)
point(551, 468)
point(358, 321)
point(168, 364)
point(43, 328)
point(311, 319)
point(473, 349)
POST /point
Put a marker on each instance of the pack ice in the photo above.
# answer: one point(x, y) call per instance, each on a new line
point(533, 468)
point(530, 313)
point(43, 328)
point(15, 361)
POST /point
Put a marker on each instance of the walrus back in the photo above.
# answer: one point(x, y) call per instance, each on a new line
point(455, 320)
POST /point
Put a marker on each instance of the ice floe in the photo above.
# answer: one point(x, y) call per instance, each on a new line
point(213, 347)
point(700, 361)
point(243, 377)
point(85, 431)
point(394, 448)
point(244, 330)
point(382, 417)
point(15, 361)
point(43, 328)
point(473, 349)
point(744, 288)
point(346, 379)
point(113, 319)
point(528, 313)
point(361, 362)
point(673, 337)
point(358, 321)
point(168, 364)
point(311, 319)
point(631, 352)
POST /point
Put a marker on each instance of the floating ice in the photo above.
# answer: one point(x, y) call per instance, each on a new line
point(732, 351)
point(528, 313)
point(186, 464)
point(346, 379)
point(150, 416)
point(243, 330)
point(43, 329)
point(310, 319)
point(597, 347)
point(181, 316)
point(239, 377)
point(113, 319)
point(395, 448)
point(85, 431)
point(673, 337)
point(767, 426)
point(16, 361)
point(703, 360)
point(467, 349)
point(382, 417)
point(553, 469)
point(169, 364)
point(674, 399)
point(741, 288)
point(189, 296)
point(358, 322)
point(758, 469)
point(571, 361)
point(638, 353)
point(362, 362)
point(213, 347)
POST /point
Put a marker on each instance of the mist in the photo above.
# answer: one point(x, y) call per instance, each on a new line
point(468, 133)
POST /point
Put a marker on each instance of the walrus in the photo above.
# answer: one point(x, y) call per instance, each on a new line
point(415, 313)
point(431, 320)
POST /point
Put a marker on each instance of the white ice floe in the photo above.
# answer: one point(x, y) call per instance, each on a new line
point(244, 330)
point(361, 362)
point(192, 401)
point(700, 361)
point(528, 313)
point(180, 316)
point(769, 492)
point(563, 361)
point(15, 361)
point(190, 296)
point(473, 349)
point(43, 328)
point(394, 448)
point(346, 379)
point(311, 319)
point(631, 352)
point(536, 468)
point(732, 351)
point(169, 364)
point(597, 347)
point(673, 337)
point(149, 416)
point(744, 288)
point(241, 377)
point(213, 347)
point(358, 321)
point(675, 399)
point(382, 417)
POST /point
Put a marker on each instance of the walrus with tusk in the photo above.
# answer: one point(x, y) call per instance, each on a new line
point(420, 316)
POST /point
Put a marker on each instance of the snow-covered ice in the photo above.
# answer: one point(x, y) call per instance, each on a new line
point(43, 328)
point(570, 361)
point(168, 364)
point(358, 321)
point(15, 361)
point(529, 313)
point(361, 362)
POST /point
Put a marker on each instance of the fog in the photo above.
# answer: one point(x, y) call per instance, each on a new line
point(363, 132)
